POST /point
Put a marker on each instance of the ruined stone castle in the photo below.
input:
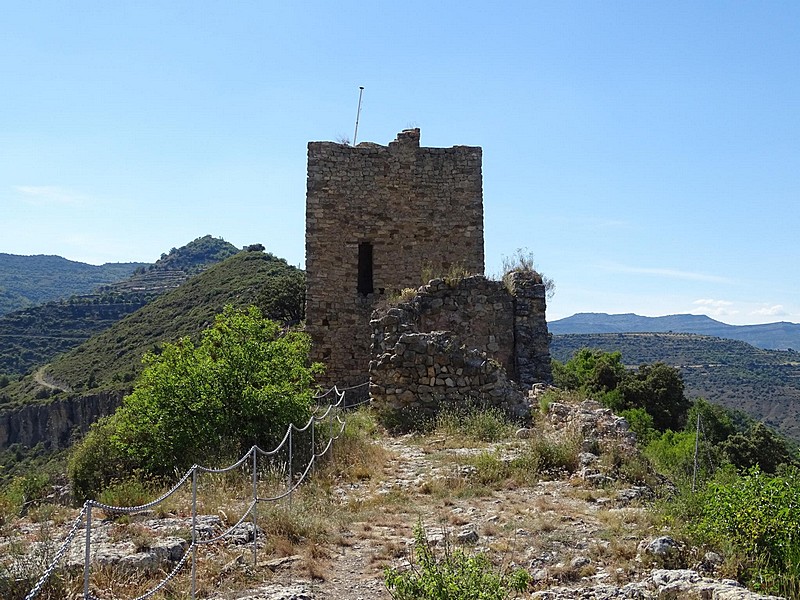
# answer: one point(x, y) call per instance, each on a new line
point(377, 219)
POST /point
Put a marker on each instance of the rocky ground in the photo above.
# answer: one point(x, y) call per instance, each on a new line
point(582, 535)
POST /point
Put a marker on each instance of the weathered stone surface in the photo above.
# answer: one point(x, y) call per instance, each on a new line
point(661, 584)
point(419, 209)
point(455, 343)
point(54, 423)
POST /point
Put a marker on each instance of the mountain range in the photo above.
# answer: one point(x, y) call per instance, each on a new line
point(770, 336)
point(31, 280)
point(34, 335)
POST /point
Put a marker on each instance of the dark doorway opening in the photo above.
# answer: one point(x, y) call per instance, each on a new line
point(365, 283)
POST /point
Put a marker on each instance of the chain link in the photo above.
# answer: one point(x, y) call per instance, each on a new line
point(59, 555)
point(340, 405)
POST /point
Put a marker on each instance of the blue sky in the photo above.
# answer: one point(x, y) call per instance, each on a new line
point(645, 152)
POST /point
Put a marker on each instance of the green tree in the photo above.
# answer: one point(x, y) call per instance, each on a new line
point(658, 388)
point(716, 424)
point(591, 370)
point(283, 296)
point(760, 447)
point(242, 385)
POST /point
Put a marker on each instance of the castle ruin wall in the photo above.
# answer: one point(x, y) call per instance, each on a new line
point(377, 218)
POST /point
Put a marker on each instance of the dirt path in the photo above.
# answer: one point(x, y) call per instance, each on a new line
point(41, 378)
point(559, 530)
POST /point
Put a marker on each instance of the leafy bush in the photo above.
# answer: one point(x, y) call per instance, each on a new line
point(132, 491)
point(542, 455)
point(641, 423)
point(756, 519)
point(656, 388)
point(759, 446)
point(454, 575)
point(243, 385)
point(27, 490)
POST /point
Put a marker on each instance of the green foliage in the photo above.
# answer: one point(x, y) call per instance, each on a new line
point(283, 296)
point(657, 388)
point(476, 424)
point(756, 518)
point(758, 447)
point(590, 370)
point(27, 490)
point(641, 423)
point(673, 454)
point(543, 455)
point(115, 355)
point(242, 385)
point(97, 459)
point(731, 373)
point(716, 422)
point(131, 491)
point(454, 575)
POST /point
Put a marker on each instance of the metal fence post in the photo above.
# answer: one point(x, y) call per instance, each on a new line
point(255, 506)
point(289, 475)
point(194, 530)
point(88, 543)
point(313, 447)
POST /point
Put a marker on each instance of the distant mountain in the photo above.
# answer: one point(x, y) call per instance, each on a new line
point(30, 280)
point(771, 336)
point(89, 381)
point(763, 383)
point(35, 335)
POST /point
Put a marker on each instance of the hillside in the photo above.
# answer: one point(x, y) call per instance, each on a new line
point(30, 280)
point(108, 363)
point(762, 383)
point(36, 335)
point(770, 336)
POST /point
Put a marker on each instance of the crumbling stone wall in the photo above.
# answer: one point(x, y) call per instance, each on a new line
point(466, 341)
point(377, 217)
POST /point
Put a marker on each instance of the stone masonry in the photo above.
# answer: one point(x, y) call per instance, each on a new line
point(377, 217)
point(467, 341)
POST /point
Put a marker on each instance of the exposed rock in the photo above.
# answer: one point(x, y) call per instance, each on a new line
point(294, 591)
point(661, 584)
point(664, 550)
point(467, 535)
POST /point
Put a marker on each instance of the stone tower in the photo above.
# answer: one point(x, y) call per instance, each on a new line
point(377, 217)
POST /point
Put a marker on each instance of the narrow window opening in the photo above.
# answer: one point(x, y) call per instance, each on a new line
point(365, 283)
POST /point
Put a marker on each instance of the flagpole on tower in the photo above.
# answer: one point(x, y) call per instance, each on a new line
point(358, 112)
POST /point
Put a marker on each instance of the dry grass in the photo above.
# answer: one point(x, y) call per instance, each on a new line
point(515, 492)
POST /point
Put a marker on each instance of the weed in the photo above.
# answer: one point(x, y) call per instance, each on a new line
point(453, 574)
point(451, 275)
point(474, 424)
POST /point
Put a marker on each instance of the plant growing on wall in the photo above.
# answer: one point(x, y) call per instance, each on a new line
point(522, 261)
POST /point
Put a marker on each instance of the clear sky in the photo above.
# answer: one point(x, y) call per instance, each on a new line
point(647, 153)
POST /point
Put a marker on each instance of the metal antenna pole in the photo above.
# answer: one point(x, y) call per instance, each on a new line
point(358, 113)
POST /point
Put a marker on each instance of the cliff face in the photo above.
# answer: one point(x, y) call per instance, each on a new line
point(54, 424)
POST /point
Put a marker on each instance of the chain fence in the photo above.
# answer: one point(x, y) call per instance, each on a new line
point(295, 450)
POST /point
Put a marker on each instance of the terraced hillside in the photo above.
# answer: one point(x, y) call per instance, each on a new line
point(36, 335)
point(763, 383)
point(99, 371)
